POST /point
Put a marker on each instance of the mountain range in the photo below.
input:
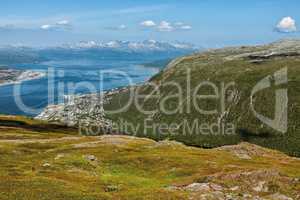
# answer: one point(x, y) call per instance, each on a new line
point(16, 54)
point(147, 45)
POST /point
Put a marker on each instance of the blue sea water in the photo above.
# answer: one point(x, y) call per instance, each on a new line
point(34, 94)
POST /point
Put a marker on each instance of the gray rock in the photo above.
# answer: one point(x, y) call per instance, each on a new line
point(46, 165)
point(111, 188)
point(216, 187)
point(91, 158)
point(198, 187)
point(261, 187)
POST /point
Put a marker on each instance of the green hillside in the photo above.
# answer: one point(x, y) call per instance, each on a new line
point(245, 66)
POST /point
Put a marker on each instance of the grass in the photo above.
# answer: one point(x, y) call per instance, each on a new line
point(126, 168)
point(213, 67)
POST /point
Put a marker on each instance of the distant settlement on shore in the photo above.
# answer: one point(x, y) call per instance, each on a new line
point(12, 76)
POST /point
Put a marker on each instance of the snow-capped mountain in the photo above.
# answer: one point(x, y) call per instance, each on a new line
point(12, 54)
point(147, 45)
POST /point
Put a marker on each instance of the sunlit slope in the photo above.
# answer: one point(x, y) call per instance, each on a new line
point(40, 165)
point(244, 67)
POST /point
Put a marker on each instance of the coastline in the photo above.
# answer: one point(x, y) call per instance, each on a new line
point(23, 77)
point(75, 107)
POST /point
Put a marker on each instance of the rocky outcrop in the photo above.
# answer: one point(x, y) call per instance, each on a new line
point(256, 184)
point(280, 49)
point(245, 150)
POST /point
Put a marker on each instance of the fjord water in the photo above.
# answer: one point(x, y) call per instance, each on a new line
point(34, 93)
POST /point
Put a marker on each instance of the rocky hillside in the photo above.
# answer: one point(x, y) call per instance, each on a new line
point(42, 161)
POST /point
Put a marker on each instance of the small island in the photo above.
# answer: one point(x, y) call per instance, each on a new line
point(10, 76)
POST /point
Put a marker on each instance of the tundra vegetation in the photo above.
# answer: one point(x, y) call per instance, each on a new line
point(44, 161)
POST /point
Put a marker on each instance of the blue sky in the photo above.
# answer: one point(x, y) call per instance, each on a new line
point(208, 23)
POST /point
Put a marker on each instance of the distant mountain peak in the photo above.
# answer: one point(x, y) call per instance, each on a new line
point(146, 45)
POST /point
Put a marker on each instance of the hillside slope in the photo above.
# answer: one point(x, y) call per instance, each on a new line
point(243, 66)
point(43, 162)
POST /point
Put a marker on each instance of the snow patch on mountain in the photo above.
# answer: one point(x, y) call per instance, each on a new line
point(147, 45)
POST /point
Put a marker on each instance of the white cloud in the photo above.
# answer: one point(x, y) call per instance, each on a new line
point(185, 27)
point(287, 25)
point(148, 23)
point(182, 26)
point(59, 25)
point(63, 23)
point(46, 27)
point(165, 26)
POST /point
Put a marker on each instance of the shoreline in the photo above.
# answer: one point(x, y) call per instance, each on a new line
point(56, 112)
point(24, 76)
